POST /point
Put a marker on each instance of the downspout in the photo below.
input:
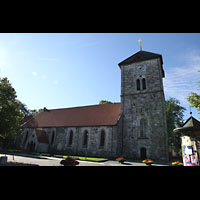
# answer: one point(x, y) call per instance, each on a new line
point(122, 109)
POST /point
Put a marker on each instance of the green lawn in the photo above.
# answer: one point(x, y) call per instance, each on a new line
point(88, 158)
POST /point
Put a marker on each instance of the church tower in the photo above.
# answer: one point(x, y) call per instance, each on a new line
point(144, 128)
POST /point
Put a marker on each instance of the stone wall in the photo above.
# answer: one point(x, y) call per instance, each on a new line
point(60, 142)
point(93, 147)
point(28, 137)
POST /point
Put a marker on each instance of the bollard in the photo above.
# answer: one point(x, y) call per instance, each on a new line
point(3, 160)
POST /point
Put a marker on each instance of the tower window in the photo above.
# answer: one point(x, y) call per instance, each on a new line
point(85, 139)
point(144, 84)
point(138, 84)
point(52, 137)
point(70, 138)
point(102, 138)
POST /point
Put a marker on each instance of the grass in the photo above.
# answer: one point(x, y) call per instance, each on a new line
point(61, 156)
point(15, 150)
point(88, 158)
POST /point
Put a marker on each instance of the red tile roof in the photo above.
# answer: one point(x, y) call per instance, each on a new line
point(96, 115)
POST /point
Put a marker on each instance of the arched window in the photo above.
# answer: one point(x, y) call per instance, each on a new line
point(143, 128)
point(102, 138)
point(70, 138)
point(138, 84)
point(85, 139)
point(26, 137)
point(52, 137)
point(144, 84)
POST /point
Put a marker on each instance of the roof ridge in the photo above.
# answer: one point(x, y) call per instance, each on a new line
point(191, 121)
point(82, 106)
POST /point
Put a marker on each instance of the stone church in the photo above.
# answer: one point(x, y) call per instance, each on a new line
point(135, 128)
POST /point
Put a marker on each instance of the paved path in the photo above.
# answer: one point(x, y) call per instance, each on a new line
point(29, 160)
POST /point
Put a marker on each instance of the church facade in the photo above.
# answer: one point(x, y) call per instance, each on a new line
point(135, 128)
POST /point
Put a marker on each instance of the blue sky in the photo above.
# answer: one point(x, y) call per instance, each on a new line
point(58, 70)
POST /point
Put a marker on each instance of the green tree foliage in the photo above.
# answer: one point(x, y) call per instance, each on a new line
point(194, 99)
point(104, 102)
point(12, 112)
point(34, 112)
point(174, 115)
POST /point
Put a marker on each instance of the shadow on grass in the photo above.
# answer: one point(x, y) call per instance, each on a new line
point(125, 163)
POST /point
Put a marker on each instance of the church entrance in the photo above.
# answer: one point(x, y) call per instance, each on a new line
point(143, 153)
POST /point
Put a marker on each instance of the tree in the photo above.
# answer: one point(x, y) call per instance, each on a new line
point(11, 112)
point(174, 115)
point(104, 102)
point(35, 111)
point(194, 99)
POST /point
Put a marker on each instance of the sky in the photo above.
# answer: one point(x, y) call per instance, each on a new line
point(60, 70)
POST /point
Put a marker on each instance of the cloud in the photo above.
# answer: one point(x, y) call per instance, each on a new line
point(43, 77)
point(34, 73)
point(181, 80)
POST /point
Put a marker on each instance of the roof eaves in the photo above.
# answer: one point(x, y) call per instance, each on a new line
point(138, 58)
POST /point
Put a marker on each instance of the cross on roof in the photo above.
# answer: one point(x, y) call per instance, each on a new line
point(190, 111)
point(140, 41)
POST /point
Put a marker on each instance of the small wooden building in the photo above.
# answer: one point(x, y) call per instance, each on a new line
point(190, 132)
